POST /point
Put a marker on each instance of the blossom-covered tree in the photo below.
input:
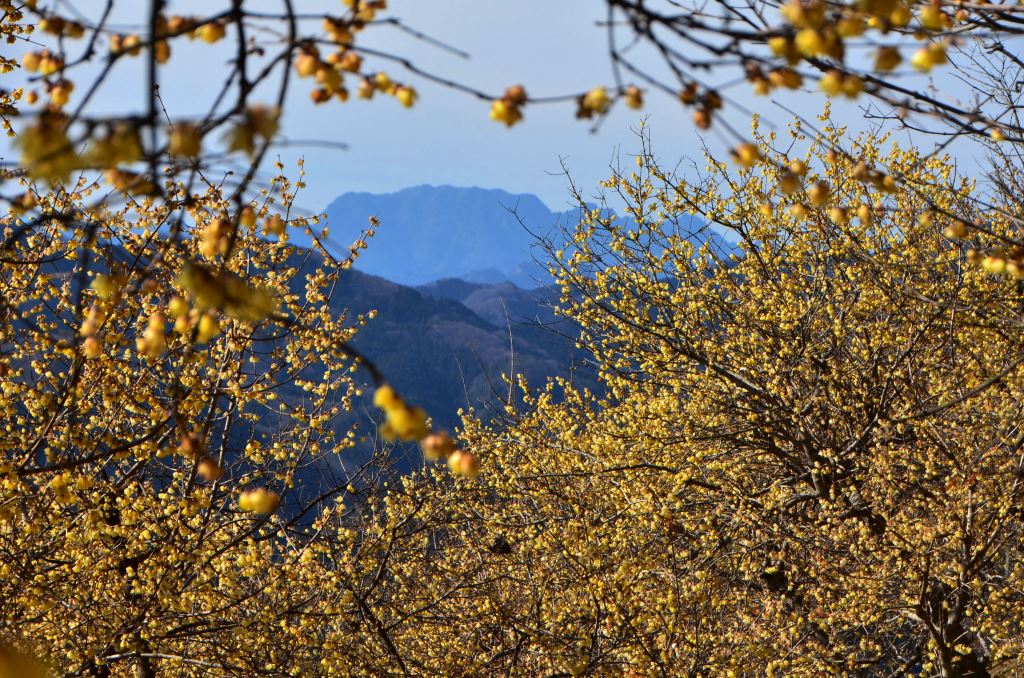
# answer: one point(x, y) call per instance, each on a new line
point(804, 457)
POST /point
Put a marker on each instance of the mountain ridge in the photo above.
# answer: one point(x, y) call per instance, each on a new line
point(489, 235)
point(430, 232)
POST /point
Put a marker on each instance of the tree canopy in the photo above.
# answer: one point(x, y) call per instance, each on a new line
point(804, 456)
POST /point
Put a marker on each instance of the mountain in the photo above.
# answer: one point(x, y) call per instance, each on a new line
point(445, 345)
point(497, 303)
point(433, 232)
point(527, 315)
point(448, 349)
point(430, 233)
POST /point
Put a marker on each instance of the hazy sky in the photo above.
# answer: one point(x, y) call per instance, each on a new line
point(552, 47)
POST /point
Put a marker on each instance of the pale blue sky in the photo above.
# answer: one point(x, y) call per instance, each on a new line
point(550, 47)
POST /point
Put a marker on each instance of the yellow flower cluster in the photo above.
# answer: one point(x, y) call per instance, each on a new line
point(258, 123)
point(706, 103)
point(464, 463)
point(437, 446)
point(216, 236)
point(46, 150)
point(402, 421)
point(407, 423)
point(687, 502)
point(209, 469)
point(153, 341)
point(120, 145)
point(259, 500)
point(634, 97)
point(185, 140)
point(998, 260)
point(595, 102)
point(836, 82)
point(819, 30)
point(329, 74)
point(227, 291)
point(508, 109)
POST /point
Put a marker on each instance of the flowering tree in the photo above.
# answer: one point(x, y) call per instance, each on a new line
point(806, 460)
point(807, 452)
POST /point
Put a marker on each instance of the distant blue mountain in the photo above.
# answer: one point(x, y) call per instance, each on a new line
point(432, 232)
point(480, 235)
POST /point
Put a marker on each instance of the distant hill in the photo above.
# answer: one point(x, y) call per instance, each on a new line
point(528, 315)
point(445, 345)
point(497, 303)
point(448, 351)
point(433, 232)
point(430, 233)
